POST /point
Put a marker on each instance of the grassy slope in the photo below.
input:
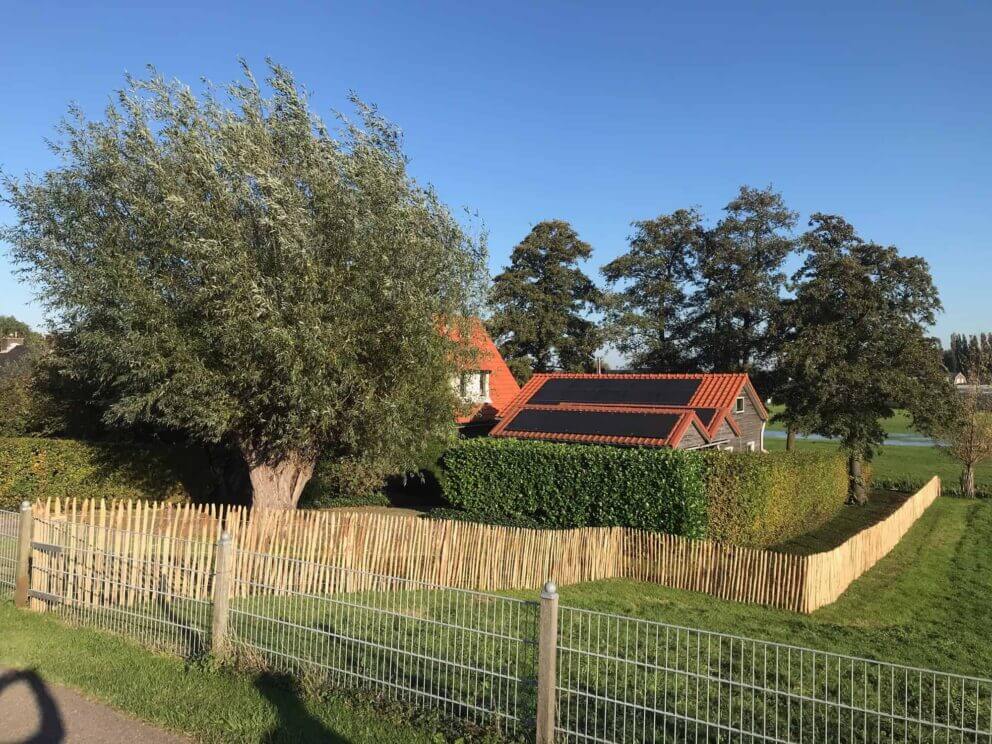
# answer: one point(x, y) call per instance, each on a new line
point(914, 464)
point(926, 604)
point(900, 423)
point(209, 704)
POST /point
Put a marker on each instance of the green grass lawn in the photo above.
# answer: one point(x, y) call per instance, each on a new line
point(928, 603)
point(198, 699)
point(899, 465)
point(900, 423)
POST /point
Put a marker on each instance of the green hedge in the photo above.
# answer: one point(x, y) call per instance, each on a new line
point(745, 499)
point(559, 485)
point(36, 468)
point(761, 500)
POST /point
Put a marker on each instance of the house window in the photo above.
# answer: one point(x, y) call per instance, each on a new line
point(739, 405)
point(484, 384)
point(750, 447)
point(463, 385)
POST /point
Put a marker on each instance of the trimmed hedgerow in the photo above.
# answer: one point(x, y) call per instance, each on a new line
point(558, 485)
point(745, 499)
point(761, 500)
point(38, 468)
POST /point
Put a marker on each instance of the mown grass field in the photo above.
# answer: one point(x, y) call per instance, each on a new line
point(900, 423)
point(909, 467)
point(926, 604)
point(199, 699)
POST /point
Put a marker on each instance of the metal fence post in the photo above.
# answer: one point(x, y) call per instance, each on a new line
point(547, 657)
point(222, 595)
point(23, 577)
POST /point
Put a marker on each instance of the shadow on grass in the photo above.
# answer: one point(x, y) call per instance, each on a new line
point(296, 723)
point(51, 729)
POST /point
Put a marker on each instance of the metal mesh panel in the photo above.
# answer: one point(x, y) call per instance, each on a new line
point(151, 588)
point(468, 654)
point(626, 680)
point(9, 522)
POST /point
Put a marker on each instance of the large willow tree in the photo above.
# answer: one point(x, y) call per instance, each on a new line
point(230, 268)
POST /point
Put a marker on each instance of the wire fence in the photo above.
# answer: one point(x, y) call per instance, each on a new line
point(9, 522)
point(151, 588)
point(475, 655)
point(622, 679)
point(465, 653)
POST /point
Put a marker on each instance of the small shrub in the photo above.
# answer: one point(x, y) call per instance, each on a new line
point(343, 483)
point(510, 481)
point(37, 468)
point(760, 500)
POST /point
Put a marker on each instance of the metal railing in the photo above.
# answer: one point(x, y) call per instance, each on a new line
point(524, 668)
point(622, 679)
point(148, 587)
point(9, 522)
point(465, 653)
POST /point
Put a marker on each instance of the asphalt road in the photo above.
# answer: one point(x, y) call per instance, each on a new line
point(33, 711)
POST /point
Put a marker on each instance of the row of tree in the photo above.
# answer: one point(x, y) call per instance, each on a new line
point(970, 356)
point(841, 342)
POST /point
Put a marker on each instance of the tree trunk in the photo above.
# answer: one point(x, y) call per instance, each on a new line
point(790, 439)
point(968, 480)
point(278, 485)
point(859, 489)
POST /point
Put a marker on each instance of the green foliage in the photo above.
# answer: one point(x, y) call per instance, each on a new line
point(741, 498)
point(645, 319)
point(343, 483)
point(766, 499)
point(539, 302)
point(231, 269)
point(560, 485)
point(35, 468)
point(859, 346)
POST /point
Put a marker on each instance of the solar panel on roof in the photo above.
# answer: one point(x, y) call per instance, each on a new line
point(651, 392)
point(706, 415)
point(622, 424)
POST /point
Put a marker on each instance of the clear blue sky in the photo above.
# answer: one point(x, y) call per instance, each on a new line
point(594, 113)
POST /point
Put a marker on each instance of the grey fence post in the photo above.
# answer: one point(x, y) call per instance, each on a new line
point(25, 530)
point(547, 657)
point(222, 595)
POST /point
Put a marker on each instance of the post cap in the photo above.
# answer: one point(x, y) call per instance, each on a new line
point(225, 536)
point(25, 505)
point(550, 591)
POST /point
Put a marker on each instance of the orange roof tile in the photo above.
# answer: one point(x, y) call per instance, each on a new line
point(716, 391)
point(503, 388)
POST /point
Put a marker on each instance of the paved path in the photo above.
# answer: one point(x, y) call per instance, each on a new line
point(32, 711)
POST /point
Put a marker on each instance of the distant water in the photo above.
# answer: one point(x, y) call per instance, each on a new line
point(897, 440)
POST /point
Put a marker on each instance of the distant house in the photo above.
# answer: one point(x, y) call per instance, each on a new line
point(12, 348)
point(959, 379)
point(681, 411)
point(487, 387)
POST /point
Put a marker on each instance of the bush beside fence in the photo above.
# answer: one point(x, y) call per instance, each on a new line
point(735, 498)
point(37, 468)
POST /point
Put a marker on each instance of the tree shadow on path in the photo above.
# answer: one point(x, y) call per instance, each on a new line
point(52, 728)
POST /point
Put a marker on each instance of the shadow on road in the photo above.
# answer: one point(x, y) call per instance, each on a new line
point(52, 729)
point(296, 723)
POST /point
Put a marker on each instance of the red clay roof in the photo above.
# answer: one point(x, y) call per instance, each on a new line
point(503, 388)
point(716, 391)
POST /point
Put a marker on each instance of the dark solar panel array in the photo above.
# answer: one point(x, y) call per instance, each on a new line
point(706, 415)
point(617, 391)
point(655, 425)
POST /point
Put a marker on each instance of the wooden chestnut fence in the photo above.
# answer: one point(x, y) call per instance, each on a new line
point(159, 547)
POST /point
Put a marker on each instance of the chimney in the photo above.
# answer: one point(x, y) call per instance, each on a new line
point(9, 342)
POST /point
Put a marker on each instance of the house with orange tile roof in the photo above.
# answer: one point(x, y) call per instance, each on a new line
point(485, 386)
point(680, 411)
